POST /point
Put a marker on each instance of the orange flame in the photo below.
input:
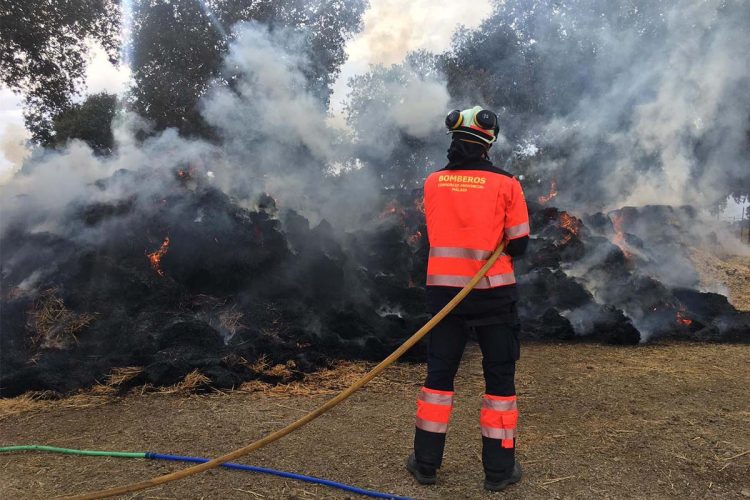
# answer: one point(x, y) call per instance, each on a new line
point(681, 319)
point(155, 257)
point(571, 224)
point(552, 193)
point(619, 237)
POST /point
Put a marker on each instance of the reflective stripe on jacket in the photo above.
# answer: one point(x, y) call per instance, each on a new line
point(469, 212)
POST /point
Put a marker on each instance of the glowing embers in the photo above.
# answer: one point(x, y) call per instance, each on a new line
point(414, 238)
point(411, 221)
point(155, 257)
point(552, 193)
point(419, 204)
point(571, 227)
point(392, 208)
point(681, 318)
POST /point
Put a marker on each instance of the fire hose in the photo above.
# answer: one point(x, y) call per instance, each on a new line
point(178, 458)
point(343, 395)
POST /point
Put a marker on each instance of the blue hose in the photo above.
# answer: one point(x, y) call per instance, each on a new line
point(289, 475)
point(177, 458)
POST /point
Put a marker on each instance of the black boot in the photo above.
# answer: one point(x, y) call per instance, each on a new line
point(423, 475)
point(500, 485)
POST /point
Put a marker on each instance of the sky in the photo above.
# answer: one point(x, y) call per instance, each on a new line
point(391, 29)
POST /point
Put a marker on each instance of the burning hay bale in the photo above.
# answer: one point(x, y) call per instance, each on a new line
point(202, 292)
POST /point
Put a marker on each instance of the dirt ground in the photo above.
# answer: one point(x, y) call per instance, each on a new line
point(653, 421)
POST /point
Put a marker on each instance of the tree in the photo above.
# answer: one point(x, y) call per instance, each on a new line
point(178, 48)
point(90, 121)
point(395, 137)
point(620, 94)
point(43, 49)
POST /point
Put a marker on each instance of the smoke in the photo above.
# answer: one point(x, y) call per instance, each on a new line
point(277, 136)
point(273, 137)
point(661, 112)
point(396, 100)
point(657, 114)
point(13, 148)
point(393, 28)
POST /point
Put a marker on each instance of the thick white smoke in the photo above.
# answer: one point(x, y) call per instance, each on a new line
point(273, 134)
point(13, 150)
point(666, 117)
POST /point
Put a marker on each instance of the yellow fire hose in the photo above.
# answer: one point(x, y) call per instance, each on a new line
point(234, 455)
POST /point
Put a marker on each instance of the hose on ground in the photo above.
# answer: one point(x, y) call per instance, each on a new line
point(179, 458)
point(343, 395)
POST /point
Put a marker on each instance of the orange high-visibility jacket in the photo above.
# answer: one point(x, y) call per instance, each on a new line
point(469, 212)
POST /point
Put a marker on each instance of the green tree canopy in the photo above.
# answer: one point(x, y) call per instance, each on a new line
point(178, 46)
point(90, 121)
point(43, 52)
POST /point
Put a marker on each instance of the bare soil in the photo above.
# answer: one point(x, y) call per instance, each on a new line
point(657, 421)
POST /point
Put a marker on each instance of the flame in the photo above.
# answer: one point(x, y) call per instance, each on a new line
point(155, 257)
point(681, 319)
point(619, 237)
point(571, 225)
point(552, 193)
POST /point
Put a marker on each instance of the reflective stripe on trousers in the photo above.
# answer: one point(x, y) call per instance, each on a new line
point(498, 418)
point(434, 410)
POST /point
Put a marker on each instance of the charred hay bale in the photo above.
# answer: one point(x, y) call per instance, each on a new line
point(58, 371)
point(544, 288)
point(188, 332)
point(15, 346)
point(540, 253)
point(96, 213)
point(598, 222)
point(53, 325)
point(389, 293)
point(637, 295)
point(172, 366)
point(604, 256)
point(549, 326)
point(613, 327)
point(734, 327)
point(541, 216)
point(35, 261)
point(382, 251)
point(703, 304)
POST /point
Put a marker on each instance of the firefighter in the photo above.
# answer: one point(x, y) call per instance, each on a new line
point(471, 206)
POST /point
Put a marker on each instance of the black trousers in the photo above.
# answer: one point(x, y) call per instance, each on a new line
point(500, 351)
